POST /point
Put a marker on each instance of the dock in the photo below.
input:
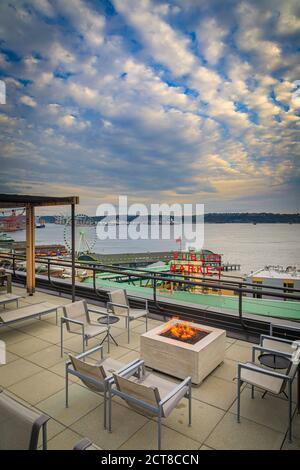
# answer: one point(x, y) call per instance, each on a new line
point(231, 267)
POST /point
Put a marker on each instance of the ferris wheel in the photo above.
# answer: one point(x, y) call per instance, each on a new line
point(85, 234)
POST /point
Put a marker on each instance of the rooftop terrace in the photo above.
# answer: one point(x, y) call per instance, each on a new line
point(34, 373)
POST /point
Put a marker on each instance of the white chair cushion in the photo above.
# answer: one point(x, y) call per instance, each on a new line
point(92, 330)
point(164, 387)
point(137, 313)
point(261, 380)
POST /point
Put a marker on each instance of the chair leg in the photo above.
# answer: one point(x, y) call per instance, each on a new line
point(105, 404)
point(108, 341)
point(290, 409)
point(128, 330)
point(67, 387)
point(109, 408)
point(238, 399)
point(190, 404)
point(252, 391)
point(83, 343)
point(45, 436)
point(61, 338)
point(159, 432)
point(146, 322)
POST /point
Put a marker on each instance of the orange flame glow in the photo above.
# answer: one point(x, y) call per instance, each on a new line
point(182, 329)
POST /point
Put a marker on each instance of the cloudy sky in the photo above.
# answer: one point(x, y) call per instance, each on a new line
point(163, 101)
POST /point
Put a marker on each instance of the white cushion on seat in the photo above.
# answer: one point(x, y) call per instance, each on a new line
point(92, 330)
point(164, 387)
point(261, 380)
point(137, 313)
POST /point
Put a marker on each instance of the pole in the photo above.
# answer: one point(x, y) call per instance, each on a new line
point(73, 250)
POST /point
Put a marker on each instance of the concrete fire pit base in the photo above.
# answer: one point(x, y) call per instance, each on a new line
point(181, 359)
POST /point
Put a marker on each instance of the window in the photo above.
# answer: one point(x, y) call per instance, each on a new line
point(257, 282)
point(288, 285)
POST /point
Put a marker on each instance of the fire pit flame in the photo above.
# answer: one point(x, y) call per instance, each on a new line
point(183, 331)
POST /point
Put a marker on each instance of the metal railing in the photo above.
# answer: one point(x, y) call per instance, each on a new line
point(239, 288)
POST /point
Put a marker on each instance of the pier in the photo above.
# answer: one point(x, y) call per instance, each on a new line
point(135, 260)
point(231, 267)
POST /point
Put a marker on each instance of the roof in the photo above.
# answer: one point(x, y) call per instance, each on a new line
point(21, 200)
point(276, 272)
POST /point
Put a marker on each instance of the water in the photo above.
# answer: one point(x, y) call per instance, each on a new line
point(251, 246)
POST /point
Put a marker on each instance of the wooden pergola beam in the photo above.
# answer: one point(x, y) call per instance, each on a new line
point(8, 201)
point(29, 203)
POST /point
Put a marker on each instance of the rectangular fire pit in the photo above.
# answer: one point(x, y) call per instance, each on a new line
point(182, 349)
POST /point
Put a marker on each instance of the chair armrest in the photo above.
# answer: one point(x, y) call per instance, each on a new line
point(275, 338)
point(66, 319)
point(262, 370)
point(112, 304)
point(140, 299)
point(90, 351)
point(175, 390)
point(128, 368)
point(269, 350)
point(131, 368)
point(99, 312)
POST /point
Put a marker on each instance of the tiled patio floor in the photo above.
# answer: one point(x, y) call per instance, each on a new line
point(35, 374)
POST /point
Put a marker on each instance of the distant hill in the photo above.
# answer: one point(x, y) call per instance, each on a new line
point(228, 218)
point(252, 218)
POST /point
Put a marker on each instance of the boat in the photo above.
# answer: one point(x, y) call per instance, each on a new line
point(40, 224)
point(5, 239)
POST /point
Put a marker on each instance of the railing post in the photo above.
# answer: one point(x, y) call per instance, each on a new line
point(154, 287)
point(73, 250)
point(240, 302)
point(14, 264)
point(48, 270)
point(241, 305)
point(94, 277)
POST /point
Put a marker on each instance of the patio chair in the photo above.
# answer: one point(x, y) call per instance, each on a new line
point(76, 317)
point(151, 395)
point(279, 344)
point(95, 376)
point(268, 380)
point(20, 426)
point(119, 306)
point(86, 444)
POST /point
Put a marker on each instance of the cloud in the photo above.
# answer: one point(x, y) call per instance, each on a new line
point(28, 101)
point(182, 101)
point(166, 46)
point(211, 40)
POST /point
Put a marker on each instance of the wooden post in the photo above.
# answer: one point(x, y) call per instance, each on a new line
point(30, 249)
